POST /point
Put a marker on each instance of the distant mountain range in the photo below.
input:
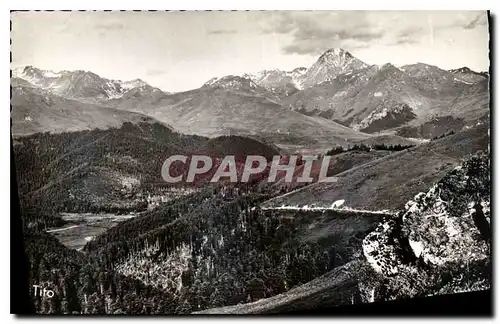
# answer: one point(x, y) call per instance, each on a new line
point(82, 84)
point(338, 100)
point(387, 98)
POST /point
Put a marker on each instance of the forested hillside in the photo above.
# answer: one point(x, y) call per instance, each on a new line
point(112, 170)
point(81, 287)
point(211, 252)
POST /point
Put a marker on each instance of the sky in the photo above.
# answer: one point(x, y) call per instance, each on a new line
point(178, 51)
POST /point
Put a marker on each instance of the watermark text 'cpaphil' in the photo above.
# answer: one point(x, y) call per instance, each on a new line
point(293, 168)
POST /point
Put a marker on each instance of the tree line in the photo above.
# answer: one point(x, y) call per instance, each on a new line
point(367, 148)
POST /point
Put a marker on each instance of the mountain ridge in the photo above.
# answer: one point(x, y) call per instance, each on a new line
point(78, 84)
point(336, 89)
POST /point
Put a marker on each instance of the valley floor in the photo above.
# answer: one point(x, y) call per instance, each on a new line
point(81, 228)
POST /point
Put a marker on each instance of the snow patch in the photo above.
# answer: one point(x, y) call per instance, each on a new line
point(128, 85)
point(458, 80)
point(51, 74)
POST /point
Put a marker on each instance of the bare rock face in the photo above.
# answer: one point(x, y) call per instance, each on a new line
point(437, 235)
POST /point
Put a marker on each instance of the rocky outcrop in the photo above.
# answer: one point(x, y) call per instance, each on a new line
point(438, 234)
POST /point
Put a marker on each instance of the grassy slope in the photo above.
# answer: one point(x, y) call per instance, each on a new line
point(35, 111)
point(333, 288)
point(387, 183)
point(213, 112)
point(387, 139)
point(338, 163)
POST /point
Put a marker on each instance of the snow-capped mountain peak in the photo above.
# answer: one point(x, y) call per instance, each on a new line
point(329, 65)
point(79, 83)
point(335, 56)
point(28, 73)
point(231, 82)
point(278, 81)
point(136, 83)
